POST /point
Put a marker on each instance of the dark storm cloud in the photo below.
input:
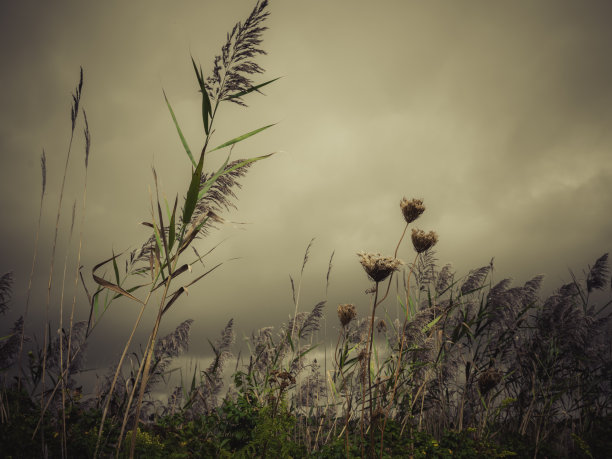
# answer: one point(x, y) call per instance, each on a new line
point(496, 114)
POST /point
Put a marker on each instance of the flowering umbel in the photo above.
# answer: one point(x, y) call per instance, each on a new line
point(423, 241)
point(412, 209)
point(377, 267)
point(346, 313)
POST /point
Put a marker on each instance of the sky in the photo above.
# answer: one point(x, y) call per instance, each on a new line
point(496, 114)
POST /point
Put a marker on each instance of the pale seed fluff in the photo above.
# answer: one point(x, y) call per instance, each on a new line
point(346, 313)
point(377, 267)
point(411, 210)
point(423, 241)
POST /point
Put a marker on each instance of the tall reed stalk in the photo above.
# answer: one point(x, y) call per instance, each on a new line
point(76, 98)
point(43, 166)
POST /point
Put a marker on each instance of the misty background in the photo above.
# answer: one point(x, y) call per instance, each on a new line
point(496, 114)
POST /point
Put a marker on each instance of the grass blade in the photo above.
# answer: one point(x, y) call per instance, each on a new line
point(253, 88)
point(223, 171)
point(109, 285)
point(175, 297)
point(206, 107)
point(172, 227)
point(180, 133)
point(241, 138)
point(113, 287)
point(116, 269)
point(192, 194)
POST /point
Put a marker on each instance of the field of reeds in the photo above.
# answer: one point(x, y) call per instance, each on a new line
point(468, 368)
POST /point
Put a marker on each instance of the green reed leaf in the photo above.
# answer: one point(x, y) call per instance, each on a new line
point(163, 235)
point(175, 273)
point(213, 179)
point(192, 193)
point(3, 338)
point(251, 89)
point(158, 241)
point(206, 106)
point(180, 133)
point(96, 304)
point(192, 233)
point(114, 288)
point(174, 297)
point(172, 228)
point(222, 171)
point(242, 137)
point(116, 269)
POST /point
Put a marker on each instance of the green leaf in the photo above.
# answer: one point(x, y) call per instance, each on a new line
point(96, 302)
point(163, 235)
point(192, 233)
point(222, 171)
point(113, 287)
point(172, 228)
point(3, 338)
point(206, 107)
point(175, 273)
point(160, 246)
point(431, 324)
point(251, 89)
point(173, 298)
point(109, 285)
point(116, 269)
point(192, 194)
point(213, 179)
point(241, 138)
point(290, 341)
point(180, 133)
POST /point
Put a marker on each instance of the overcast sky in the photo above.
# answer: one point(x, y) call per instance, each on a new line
point(497, 114)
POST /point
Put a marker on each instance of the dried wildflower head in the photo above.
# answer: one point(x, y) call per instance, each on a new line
point(346, 313)
point(423, 241)
point(377, 267)
point(378, 415)
point(283, 378)
point(381, 326)
point(488, 380)
point(412, 209)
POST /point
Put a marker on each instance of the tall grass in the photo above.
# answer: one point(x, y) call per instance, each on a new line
point(473, 367)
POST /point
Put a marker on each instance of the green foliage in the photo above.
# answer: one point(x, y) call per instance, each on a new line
point(421, 445)
point(273, 435)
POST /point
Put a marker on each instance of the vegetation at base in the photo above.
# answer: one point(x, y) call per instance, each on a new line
point(467, 367)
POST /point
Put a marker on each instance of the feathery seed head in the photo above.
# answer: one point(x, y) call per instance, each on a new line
point(411, 209)
point(346, 313)
point(423, 241)
point(377, 267)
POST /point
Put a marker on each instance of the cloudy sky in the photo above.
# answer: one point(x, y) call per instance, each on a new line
point(496, 114)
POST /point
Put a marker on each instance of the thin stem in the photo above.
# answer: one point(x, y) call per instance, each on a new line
point(344, 385)
point(147, 367)
point(401, 350)
point(25, 314)
point(369, 369)
point(119, 365)
point(57, 219)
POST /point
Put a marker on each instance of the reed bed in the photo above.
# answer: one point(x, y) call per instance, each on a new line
point(472, 368)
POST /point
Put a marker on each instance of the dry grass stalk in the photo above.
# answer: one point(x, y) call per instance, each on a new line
point(43, 166)
point(76, 97)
